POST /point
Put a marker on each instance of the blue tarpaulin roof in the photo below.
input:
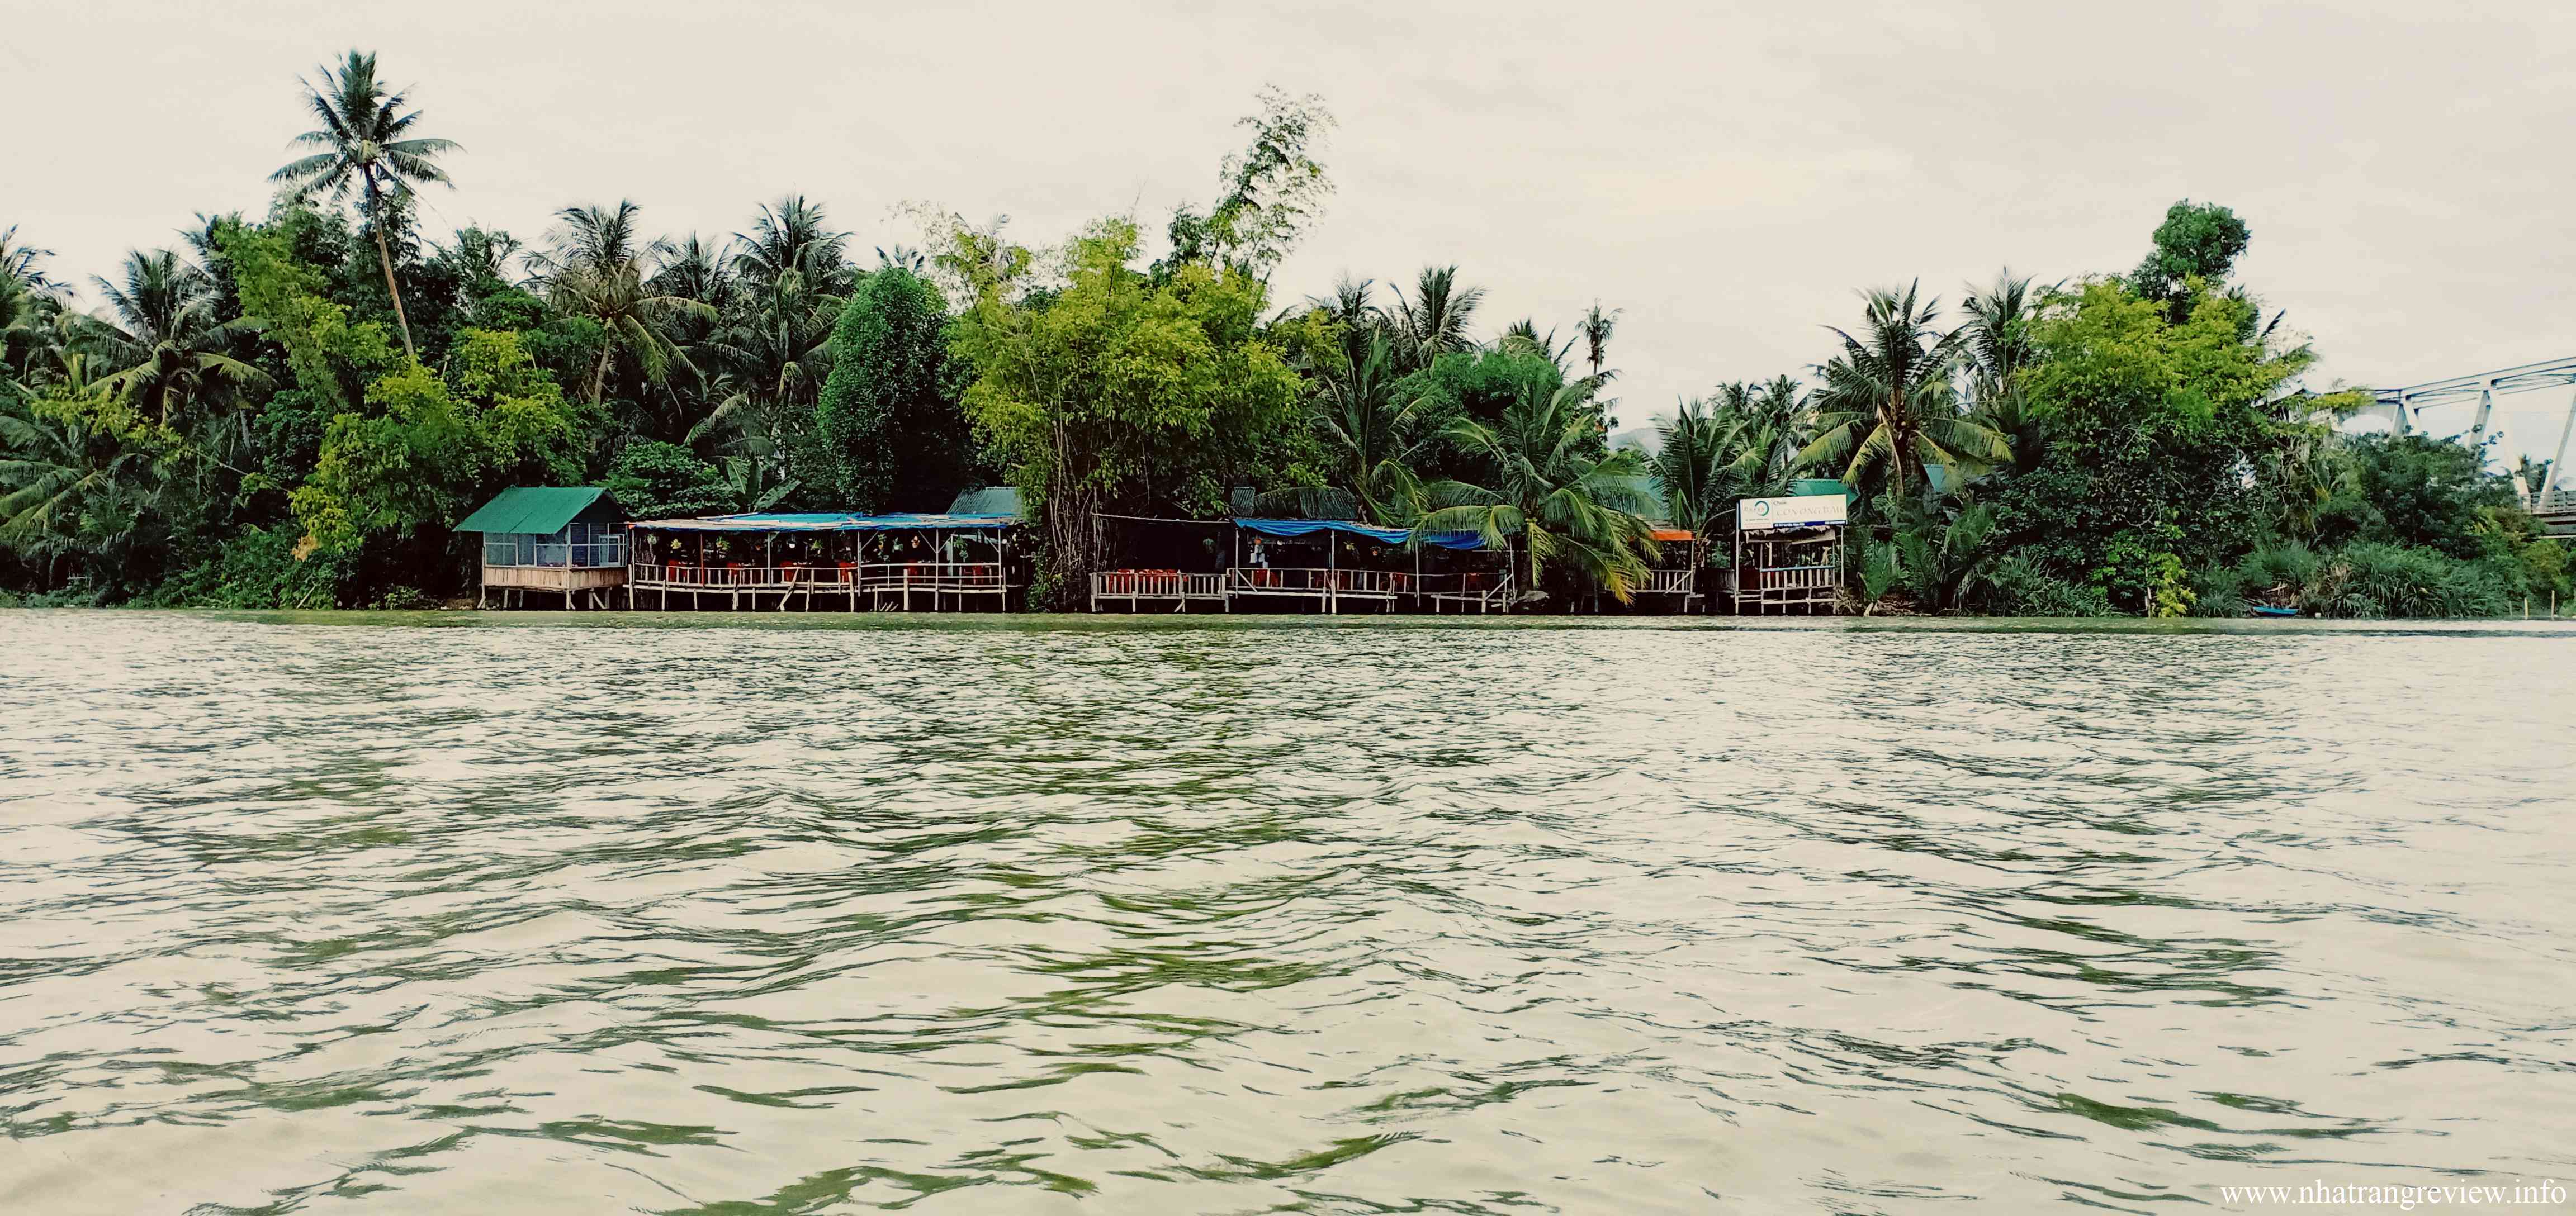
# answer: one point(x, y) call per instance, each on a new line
point(1386, 536)
point(829, 521)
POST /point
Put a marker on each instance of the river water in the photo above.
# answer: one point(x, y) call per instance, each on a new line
point(485, 913)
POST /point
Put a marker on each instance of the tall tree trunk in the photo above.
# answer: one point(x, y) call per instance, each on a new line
point(385, 258)
point(599, 374)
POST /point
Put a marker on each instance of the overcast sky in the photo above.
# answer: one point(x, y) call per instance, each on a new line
point(1725, 176)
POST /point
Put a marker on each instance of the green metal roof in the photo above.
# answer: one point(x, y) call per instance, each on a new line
point(539, 509)
point(1817, 485)
point(990, 500)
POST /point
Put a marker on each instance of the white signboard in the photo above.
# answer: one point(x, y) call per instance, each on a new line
point(1804, 510)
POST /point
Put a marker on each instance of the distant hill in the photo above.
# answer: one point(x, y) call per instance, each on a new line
point(1645, 439)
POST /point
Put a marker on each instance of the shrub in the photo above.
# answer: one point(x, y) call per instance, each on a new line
point(2019, 587)
point(2373, 580)
point(258, 569)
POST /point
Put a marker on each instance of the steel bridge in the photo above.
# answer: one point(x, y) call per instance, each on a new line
point(2555, 506)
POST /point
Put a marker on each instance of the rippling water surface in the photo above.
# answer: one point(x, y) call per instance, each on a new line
point(443, 913)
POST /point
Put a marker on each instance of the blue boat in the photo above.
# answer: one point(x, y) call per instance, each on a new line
point(2268, 610)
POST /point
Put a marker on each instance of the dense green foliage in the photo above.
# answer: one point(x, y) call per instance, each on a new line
point(295, 408)
point(889, 414)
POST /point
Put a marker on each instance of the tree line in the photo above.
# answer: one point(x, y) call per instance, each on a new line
point(293, 409)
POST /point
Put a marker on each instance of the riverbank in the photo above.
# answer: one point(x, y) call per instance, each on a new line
point(1114, 622)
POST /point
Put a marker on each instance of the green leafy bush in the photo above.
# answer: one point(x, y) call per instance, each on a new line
point(2371, 580)
point(2019, 587)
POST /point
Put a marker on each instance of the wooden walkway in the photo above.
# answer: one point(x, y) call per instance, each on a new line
point(1325, 588)
point(940, 586)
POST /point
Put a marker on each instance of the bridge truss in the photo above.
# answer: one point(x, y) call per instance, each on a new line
point(2399, 406)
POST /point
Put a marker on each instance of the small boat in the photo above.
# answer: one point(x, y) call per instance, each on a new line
point(2268, 610)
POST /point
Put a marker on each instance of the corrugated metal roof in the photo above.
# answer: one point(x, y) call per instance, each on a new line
point(991, 500)
point(539, 509)
point(1286, 528)
point(829, 521)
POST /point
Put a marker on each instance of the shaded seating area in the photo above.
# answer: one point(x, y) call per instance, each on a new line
point(553, 540)
point(826, 561)
point(1673, 581)
point(1789, 552)
point(1321, 565)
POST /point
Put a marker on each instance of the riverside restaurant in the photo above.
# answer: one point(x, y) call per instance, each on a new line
point(1300, 565)
point(828, 560)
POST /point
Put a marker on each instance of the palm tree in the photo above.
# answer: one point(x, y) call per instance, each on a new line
point(24, 264)
point(1595, 329)
point(1997, 342)
point(693, 269)
point(1569, 507)
point(30, 303)
point(789, 239)
point(1761, 429)
point(369, 152)
point(66, 489)
point(594, 267)
point(163, 335)
point(1370, 436)
point(1434, 322)
point(1691, 468)
point(1887, 404)
point(1353, 313)
point(1998, 348)
point(1522, 337)
point(772, 354)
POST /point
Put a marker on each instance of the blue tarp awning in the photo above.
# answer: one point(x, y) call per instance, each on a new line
point(830, 521)
point(1384, 536)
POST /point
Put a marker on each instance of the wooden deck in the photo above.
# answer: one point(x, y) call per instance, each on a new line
point(578, 585)
point(1174, 587)
point(1681, 583)
point(1326, 588)
point(1806, 588)
point(849, 586)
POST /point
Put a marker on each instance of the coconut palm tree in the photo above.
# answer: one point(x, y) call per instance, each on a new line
point(1522, 337)
point(1887, 406)
point(1434, 322)
point(30, 305)
point(594, 267)
point(368, 151)
point(25, 264)
point(66, 488)
point(1997, 349)
point(1996, 342)
point(1370, 436)
point(162, 334)
point(1691, 467)
point(772, 354)
point(1569, 508)
point(1761, 429)
point(789, 239)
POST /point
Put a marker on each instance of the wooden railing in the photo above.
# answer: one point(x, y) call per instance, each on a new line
point(1156, 585)
point(830, 577)
point(1316, 580)
point(1678, 582)
point(1792, 578)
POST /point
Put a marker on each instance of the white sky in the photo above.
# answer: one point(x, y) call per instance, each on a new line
point(1726, 175)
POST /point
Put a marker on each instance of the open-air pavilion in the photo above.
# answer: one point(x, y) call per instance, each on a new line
point(1323, 565)
point(825, 561)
